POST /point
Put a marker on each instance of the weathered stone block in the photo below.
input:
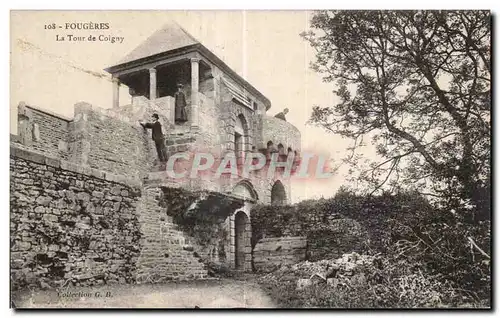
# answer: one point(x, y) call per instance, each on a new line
point(23, 245)
point(303, 283)
point(43, 200)
point(53, 162)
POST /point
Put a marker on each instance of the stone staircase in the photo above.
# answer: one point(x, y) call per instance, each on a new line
point(167, 253)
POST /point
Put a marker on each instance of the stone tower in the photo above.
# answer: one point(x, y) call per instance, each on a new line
point(225, 114)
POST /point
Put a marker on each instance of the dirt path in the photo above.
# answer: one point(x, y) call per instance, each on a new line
point(224, 293)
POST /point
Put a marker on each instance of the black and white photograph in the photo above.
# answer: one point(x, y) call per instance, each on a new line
point(250, 159)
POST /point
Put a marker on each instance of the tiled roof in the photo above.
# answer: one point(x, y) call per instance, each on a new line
point(170, 37)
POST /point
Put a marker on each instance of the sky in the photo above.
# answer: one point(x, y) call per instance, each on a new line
point(264, 47)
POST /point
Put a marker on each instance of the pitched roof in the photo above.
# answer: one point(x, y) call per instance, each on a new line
point(170, 37)
point(173, 37)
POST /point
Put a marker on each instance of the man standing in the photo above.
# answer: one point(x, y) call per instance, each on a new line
point(281, 115)
point(180, 106)
point(158, 137)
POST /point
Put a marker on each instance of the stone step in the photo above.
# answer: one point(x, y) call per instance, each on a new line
point(170, 261)
point(163, 255)
point(170, 258)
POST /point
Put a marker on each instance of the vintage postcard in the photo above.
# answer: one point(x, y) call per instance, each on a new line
point(250, 159)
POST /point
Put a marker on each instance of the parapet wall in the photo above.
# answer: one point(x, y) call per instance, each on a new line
point(70, 224)
point(103, 139)
point(112, 139)
point(279, 132)
point(43, 131)
point(112, 144)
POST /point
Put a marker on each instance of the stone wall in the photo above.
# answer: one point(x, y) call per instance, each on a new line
point(271, 253)
point(112, 144)
point(208, 115)
point(179, 141)
point(264, 185)
point(43, 131)
point(70, 224)
point(79, 225)
point(104, 139)
point(167, 253)
point(142, 108)
point(112, 140)
point(279, 132)
point(329, 234)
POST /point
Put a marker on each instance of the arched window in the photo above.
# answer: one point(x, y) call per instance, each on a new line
point(278, 194)
point(240, 138)
point(281, 149)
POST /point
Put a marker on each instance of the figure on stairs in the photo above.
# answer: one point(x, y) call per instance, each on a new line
point(158, 137)
point(180, 106)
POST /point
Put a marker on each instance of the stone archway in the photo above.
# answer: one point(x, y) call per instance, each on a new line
point(242, 245)
point(235, 127)
point(245, 190)
point(241, 228)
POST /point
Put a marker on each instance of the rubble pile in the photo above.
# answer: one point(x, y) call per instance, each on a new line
point(345, 270)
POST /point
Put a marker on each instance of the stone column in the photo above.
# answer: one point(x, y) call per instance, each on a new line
point(80, 135)
point(232, 239)
point(195, 80)
point(152, 84)
point(116, 92)
point(248, 247)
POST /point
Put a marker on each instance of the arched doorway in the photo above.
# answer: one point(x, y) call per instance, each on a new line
point(242, 240)
point(278, 194)
point(241, 228)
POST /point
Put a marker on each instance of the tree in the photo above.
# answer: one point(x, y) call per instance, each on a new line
point(417, 83)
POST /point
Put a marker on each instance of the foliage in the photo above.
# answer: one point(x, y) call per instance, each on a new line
point(390, 284)
point(423, 246)
point(315, 215)
point(200, 214)
point(441, 244)
point(417, 83)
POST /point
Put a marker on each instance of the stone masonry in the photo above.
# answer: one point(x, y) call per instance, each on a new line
point(329, 234)
point(274, 252)
point(70, 226)
point(84, 205)
point(167, 253)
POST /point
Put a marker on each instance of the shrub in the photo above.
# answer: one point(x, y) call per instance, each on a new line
point(429, 258)
point(200, 214)
point(390, 284)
